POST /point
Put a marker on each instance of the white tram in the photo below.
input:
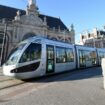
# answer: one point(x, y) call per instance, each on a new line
point(38, 56)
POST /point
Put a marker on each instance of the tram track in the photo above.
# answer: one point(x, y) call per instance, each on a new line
point(9, 83)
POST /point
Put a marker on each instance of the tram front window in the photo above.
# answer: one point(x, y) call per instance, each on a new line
point(33, 52)
point(14, 55)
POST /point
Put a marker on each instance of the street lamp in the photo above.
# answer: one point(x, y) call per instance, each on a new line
point(3, 44)
point(94, 45)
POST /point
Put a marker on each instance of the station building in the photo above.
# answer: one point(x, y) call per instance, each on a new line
point(17, 25)
point(96, 38)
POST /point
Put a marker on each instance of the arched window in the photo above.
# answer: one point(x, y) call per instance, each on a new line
point(28, 36)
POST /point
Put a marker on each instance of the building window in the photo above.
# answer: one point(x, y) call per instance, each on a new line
point(82, 37)
point(88, 35)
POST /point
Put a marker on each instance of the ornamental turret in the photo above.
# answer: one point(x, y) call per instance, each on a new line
point(32, 8)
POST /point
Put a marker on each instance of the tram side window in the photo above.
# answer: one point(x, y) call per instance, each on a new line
point(82, 58)
point(60, 55)
point(33, 52)
point(101, 55)
point(50, 53)
point(64, 55)
point(93, 56)
point(70, 55)
point(87, 55)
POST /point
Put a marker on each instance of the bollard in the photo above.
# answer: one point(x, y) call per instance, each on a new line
point(103, 70)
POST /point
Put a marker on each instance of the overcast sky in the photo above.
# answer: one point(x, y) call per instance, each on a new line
point(84, 14)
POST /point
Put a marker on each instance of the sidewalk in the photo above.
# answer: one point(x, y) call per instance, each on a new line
point(1, 71)
point(6, 81)
point(2, 77)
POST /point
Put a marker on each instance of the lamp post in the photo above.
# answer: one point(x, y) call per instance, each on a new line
point(3, 44)
point(94, 42)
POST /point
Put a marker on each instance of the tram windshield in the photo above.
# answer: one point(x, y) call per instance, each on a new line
point(14, 55)
point(33, 52)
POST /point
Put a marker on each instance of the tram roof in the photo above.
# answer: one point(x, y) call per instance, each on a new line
point(41, 39)
point(83, 46)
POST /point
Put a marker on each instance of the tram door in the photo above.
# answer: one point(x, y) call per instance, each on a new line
point(82, 60)
point(50, 64)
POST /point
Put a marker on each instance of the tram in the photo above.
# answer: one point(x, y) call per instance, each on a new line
point(38, 56)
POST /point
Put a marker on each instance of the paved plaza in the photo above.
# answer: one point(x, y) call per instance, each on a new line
point(84, 87)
